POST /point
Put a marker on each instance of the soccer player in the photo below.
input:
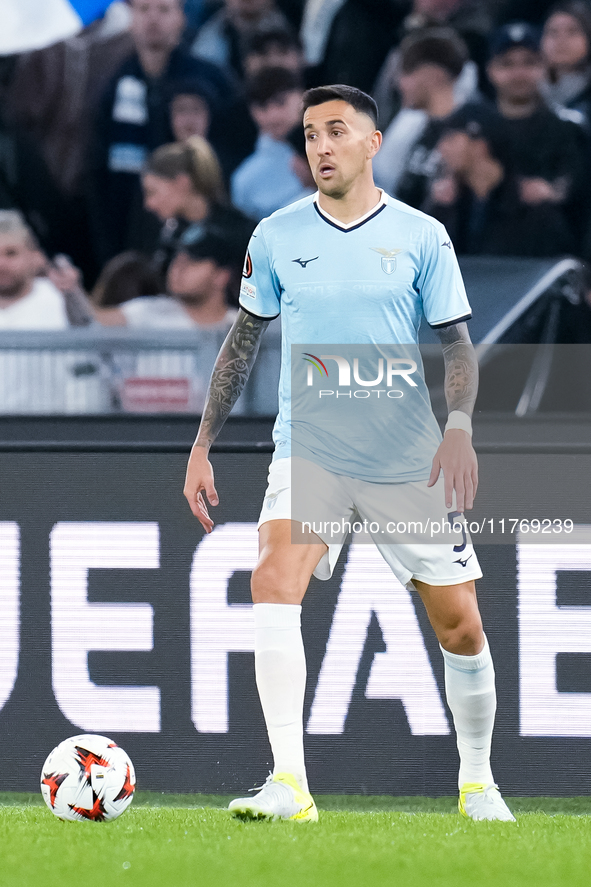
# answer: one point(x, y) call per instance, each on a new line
point(326, 265)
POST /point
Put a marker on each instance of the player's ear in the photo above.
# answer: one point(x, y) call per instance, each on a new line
point(375, 143)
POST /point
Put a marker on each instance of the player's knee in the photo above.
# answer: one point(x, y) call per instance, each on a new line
point(272, 585)
point(465, 638)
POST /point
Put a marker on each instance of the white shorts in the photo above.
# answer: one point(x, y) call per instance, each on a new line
point(368, 507)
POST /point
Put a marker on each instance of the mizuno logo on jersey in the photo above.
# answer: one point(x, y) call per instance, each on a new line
point(304, 262)
point(463, 562)
point(388, 258)
point(447, 244)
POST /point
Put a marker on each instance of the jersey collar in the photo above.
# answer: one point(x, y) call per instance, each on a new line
point(356, 223)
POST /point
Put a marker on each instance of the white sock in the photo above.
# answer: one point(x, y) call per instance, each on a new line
point(280, 666)
point(471, 696)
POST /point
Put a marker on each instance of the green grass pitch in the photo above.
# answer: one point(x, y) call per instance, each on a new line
point(190, 840)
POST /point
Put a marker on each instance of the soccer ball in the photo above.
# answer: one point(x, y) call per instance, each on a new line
point(88, 777)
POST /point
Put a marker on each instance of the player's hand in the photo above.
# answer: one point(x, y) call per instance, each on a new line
point(199, 480)
point(457, 459)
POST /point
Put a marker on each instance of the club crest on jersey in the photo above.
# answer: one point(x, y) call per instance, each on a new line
point(388, 258)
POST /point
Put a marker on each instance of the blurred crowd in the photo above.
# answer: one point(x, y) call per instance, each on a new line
point(137, 157)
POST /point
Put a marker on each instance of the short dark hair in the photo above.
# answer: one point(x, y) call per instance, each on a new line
point(284, 38)
point(269, 83)
point(190, 86)
point(359, 100)
point(434, 46)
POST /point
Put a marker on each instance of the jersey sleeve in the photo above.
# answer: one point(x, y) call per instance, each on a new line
point(260, 293)
point(440, 282)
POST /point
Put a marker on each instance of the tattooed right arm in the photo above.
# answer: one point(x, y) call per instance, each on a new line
point(231, 371)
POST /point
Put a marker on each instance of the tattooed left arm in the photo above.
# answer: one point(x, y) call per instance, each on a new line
point(456, 456)
point(461, 368)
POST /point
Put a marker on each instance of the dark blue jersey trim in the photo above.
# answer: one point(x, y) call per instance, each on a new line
point(353, 227)
point(258, 316)
point(442, 326)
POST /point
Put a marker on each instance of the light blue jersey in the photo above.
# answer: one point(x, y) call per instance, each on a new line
point(369, 283)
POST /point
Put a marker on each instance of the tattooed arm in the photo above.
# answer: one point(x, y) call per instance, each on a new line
point(456, 456)
point(231, 371)
point(461, 368)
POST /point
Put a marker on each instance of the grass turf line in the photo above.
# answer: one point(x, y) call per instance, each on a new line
point(153, 844)
point(360, 803)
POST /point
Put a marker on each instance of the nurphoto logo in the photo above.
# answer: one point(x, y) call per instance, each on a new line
point(389, 370)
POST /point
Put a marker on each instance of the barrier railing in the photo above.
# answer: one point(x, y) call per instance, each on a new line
point(95, 371)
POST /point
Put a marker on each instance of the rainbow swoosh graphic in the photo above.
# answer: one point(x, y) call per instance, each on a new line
point(315, 361)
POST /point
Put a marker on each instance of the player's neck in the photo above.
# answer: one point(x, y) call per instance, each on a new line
point(357, 202)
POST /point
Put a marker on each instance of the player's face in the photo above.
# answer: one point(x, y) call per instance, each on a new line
point(157, 24)
point(17, 265)
point(193, 280)
point(516, 74)
point(166, 198)
point(340, 143)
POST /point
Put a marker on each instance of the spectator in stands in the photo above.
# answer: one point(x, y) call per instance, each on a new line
point(225, 37)
point(566, 48)
point(471, 191)
point(547, 154)
point(127, 276)
point(347, 41)
point(41, 381)
point(275, 48)
point(470, 19)
point(183, 185)
point(28, 301)
point(431, 62)
point(198, 283)
point(190, 110)
point(134, 116)
point(266, 180)
point(51, 100)
point(27, 185)
point(511, 180)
